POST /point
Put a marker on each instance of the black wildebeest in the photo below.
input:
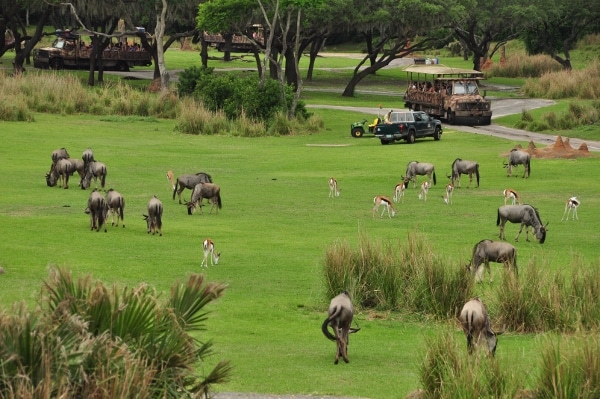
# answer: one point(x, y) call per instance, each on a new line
point(486, 251)
point(60, 170)
point(190, 181)
point(59, 154)
point(94, 170)
point(339, 317)
point(477, 326)
point(154, 216)
point(116, 206)
point(518, 157)
point(98, 210)
point(464, 167)
point(524, 214)
point(415, 168)
point(210, 191)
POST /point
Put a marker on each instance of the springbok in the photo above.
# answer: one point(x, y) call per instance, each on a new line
point(171, 178)
point(208, 246)
point(476, 325)
point(210, 191)
point(486, 251)
point(382, 200)
point(526, 215)
point(415, 168)
point(449, 191)
point(400, 189)
point(339, 317)
point(511, 194)
point(572, 204)
point(334, 191)
point(116, 206)
point(425, 186)
point(154, 216)
point(463, 167)
point(97, 210)
point(518, 157)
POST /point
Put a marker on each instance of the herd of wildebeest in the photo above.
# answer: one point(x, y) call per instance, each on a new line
point(473, 317)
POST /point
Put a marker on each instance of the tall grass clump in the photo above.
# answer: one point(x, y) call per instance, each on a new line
point(86, 340)
point(520, 65)
point(193, 118)
point(582, 84)
point(570, 368)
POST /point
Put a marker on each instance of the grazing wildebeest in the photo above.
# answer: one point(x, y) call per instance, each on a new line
point(572, 204)
point(509, 193)
point(339, 317)
point(210, 191)
point(334, 191)
point(60, 170)
point(190, 181)
point(94, 170)
point(98, 210)
point(78, 166)
point(154, 216)
point(477, 326)
point(463, 167)
point(59, 154)
point(116, 206)
point(208, 247)
point(524, 214)
point(415, 168)
point(87, 156)
point(486, 251)
point(518, 157)
point(382, 200)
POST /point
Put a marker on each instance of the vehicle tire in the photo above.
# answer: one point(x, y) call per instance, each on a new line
point(384, 142)
point(436, 134)
point(411, 137)
point(56, 63)
point(122, 66)
point(358, 132)
point(451, 117)
point(488, 121)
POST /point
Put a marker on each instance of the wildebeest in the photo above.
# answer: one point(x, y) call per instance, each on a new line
point(210, 191)
point(60, 170)
point(190, 181)
point(518, 157)
point(476, 324)
point(208, 247)
point(415, 168)
point(98, 210)
point(116, 206)
point(94, 170)
point(339, 317)
point(464, 167)
point(524, 214)
point(571, 204)
point(486, 251)
point(154, 216)
point(78, 166)
point(61, 153)
point(87, 156)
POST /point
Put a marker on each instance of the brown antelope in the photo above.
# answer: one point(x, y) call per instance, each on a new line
point(339, 317)
point(572, 204)
point(449, 191)
point(384, 201)
point(477, 326)
point(171, 178)
point(425, 186)
point(208, 246)
point(334, 191)
point(400, 189)
point(511, 194)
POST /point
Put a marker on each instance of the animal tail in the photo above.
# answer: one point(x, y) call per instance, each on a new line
point(515, 262)
point(498, 218)
point(122, 210)
point(325, 329)
point(175, 188)
point(477, 175)
point(219, 200)
point(103, 180)
point(434, 180)
point(528, 167)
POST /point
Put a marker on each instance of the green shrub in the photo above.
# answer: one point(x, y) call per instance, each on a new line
point(190, 78)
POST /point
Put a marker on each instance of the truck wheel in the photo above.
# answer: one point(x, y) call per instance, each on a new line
point(357, 132)
point(56, 63)
point(122, 66)
point(384, 142)
point(451, 117)
point(411, 138)
point(436, 134)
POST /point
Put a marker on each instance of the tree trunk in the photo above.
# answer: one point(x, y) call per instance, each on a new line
point(160, 54)
point(228, 37)
point(20, 56)
point(203, 52)
point(315, 47)
point(291, 77)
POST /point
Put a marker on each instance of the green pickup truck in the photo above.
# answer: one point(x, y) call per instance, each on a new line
point(407, 125)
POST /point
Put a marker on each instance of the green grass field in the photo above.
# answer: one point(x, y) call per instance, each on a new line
point(275, 225)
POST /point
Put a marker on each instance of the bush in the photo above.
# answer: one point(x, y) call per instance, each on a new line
point(190, 78)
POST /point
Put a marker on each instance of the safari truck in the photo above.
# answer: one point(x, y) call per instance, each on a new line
point(447, 93)
point(69, 51)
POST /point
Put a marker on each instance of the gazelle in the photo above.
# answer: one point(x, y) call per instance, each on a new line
point(400, 189)
point(425, 186)
point(509, 193)
point(572, 204)
point(208, 246)
point(334, 191)
point(171, 178)
point(384, 201)
point(449, 191)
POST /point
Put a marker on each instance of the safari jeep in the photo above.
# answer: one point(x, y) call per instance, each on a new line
point(407, 125)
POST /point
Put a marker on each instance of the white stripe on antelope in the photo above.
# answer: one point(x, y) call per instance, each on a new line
point(339, 317)
point(449, 191)
point(526, 215)
point(334, 191)
point(154, 216)
point(382, 200)
point(464, 167)
point(486, 251)
point(415, 168)
point(208, 247)
point(116, 206)
point(571, 205)
point(210, 191)
point(400, 189)
point(189, 181)
point(510, 194)
point(477, 326)
point(98, 210)
point(424, 190)
point(518, 157)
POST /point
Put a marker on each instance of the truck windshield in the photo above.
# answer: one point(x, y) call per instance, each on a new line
point(468, 87)
point(59, 43)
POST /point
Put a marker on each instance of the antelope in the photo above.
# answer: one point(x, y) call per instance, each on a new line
point(208, 246)
point(425, 186)
point(334, 191)
point(572, 204)
point(511, 194)
point(384, 201)
point(449, 191)
point(400, 189)
point(171, 178)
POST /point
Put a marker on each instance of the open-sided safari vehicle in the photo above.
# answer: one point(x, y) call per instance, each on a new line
point(358, 129)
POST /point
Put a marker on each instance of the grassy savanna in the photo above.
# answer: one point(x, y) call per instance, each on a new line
point(273, 231)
